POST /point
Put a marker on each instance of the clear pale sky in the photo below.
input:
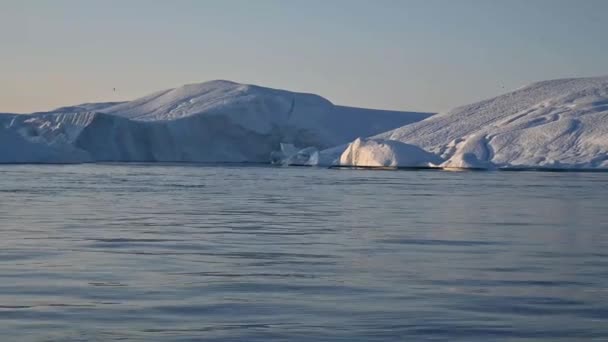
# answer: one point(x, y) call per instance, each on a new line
point(427, 55)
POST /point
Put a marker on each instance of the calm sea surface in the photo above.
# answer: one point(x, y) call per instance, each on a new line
point(189, 253)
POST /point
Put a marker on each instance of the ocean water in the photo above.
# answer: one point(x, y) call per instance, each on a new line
point(233, 253)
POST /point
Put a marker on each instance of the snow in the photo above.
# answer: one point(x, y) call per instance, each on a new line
point(559, 124)
point(85, 107)
point(298, 118)
point(217, 121)
point(552, 124)
point(386, 153)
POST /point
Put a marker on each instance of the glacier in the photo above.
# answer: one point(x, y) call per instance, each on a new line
point(216, 122)
point(557, 124)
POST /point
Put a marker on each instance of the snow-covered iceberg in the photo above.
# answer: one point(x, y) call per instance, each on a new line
point(217, 121)
point(297, 118)
point(386, 153)
point(553, 124)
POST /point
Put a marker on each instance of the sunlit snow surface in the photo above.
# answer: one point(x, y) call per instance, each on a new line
point(386, 153)
point(552, 124)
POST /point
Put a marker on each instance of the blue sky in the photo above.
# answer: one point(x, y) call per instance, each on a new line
point(427, 55)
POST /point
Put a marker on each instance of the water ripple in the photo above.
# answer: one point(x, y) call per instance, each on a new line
point(138, 252)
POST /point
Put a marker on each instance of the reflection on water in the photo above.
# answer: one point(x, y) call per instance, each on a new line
point(140, 252)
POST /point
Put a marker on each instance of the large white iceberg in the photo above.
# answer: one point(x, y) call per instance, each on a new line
point(553, 124)
point(217, 121)
point(296, 118)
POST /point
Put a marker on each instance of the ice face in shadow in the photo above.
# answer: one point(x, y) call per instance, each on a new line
point(42, 138)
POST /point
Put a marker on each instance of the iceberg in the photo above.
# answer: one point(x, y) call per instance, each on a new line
point(214, 122)
point(558, 124)
point(386, 154)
